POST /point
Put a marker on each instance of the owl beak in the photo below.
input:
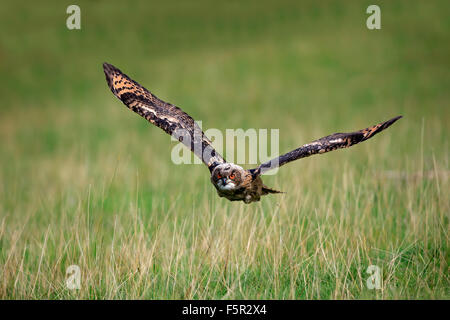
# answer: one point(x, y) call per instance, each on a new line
point(224, 181)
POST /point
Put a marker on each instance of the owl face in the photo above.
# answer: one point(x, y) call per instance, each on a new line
point(227, 177)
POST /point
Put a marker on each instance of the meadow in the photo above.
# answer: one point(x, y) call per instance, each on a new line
point(84, 181)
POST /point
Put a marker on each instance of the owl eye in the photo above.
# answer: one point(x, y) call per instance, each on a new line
point(232, 177)
point(219, 176)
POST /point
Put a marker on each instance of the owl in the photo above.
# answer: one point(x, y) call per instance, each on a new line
point(230, 180)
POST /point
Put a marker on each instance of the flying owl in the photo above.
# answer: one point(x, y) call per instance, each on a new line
point(231, 181)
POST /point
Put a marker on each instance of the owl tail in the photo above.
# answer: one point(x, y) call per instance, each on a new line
point(267, 190)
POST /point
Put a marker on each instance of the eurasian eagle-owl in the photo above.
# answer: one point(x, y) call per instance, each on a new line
point(231, 181)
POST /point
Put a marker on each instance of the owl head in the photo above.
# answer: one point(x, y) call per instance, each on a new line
point(227, 176)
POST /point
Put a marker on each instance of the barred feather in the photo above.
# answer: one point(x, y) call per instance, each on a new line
point(166, 116)
point(325, 144)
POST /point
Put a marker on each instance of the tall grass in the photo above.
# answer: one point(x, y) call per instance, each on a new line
point(85, 181)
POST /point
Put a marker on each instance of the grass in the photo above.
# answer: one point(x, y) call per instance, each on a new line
point(85, 181)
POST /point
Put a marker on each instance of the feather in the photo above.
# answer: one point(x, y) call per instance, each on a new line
point(166, 116)
point(322, 145)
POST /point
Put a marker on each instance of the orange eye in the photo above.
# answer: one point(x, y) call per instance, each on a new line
point(219, 176)
point(232, 177)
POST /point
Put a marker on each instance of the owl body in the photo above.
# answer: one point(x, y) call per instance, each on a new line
point(237, 184)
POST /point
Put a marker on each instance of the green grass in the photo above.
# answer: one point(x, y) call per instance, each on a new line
point(85, 181)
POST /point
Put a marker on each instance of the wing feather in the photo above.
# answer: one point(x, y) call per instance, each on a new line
point(166, 116)
point(325, 144)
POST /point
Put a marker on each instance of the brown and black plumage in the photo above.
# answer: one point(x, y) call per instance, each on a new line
point(231, 181)
point(164, 115)
point(325, 144)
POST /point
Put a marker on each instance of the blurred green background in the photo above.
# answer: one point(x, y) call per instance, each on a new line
point(271, 65)
point(309, 68)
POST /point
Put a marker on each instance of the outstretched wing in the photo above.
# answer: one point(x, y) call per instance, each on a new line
point(166, 116)
point(325, 144)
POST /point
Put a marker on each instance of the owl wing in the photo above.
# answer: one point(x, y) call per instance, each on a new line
point(166, 116)
point(325, 144)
